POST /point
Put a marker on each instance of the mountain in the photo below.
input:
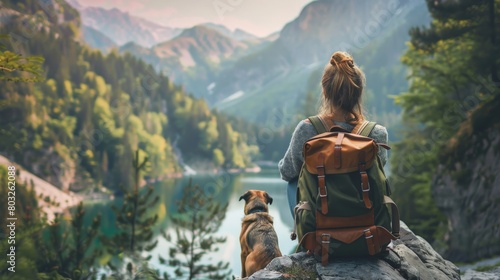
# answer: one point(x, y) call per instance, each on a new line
point(97, 39)
point(194, 57)
point(80, 127)
point(197, 45)
point(278, 75)
point(237, 34)
point(122, 27)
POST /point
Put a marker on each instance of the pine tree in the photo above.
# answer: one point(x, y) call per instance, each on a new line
point(136, 228)
point(72, 245)
point(14, 67)
point(199, 218)
point(472, 20)
point(452, 72)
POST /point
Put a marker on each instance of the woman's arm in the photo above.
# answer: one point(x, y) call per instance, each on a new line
point(291, 163)
point(380, 135)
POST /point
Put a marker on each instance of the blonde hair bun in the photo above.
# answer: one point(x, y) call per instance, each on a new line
point(341, 57)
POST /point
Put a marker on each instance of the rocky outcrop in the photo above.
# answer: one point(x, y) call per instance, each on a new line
point(411, 257)
point(476, 275)
point(467, 187)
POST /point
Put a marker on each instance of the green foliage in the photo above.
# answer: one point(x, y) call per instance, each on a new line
point(446, 84)
point(486, 268)
point(136, 228)
point(28, 225)
point(143, 272)
point(60, 250)
point(69, 247)
point(14, 67)
point(298, 272)
point(82, 124)
point(199, 218)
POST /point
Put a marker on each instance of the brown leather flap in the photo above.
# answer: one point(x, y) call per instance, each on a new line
point(347, 235)
point(312, 240)
point(351, 147)
point(384, 236)
point(323, 221)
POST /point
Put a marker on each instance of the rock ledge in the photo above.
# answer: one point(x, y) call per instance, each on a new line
point(411, 257)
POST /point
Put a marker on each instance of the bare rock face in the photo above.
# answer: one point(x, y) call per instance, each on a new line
point(468, 191)
point(411, 257)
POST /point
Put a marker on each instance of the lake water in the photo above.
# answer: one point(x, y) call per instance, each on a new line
point(231, 187)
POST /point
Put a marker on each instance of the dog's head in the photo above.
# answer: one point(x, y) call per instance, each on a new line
point(256, 201)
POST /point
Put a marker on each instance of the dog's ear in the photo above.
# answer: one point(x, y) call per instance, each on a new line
point(268, 198)
point(245, 196)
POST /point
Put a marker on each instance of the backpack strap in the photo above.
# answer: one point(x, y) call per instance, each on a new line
point(364, 128)
point(319, 124)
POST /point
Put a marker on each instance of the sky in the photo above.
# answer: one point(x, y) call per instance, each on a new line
point(259, 17)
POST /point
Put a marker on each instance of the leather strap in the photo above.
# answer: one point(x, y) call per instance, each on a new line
point(365, 183)
point(310, 243)
point(394, 214)
point(320, 166)
point(384, 146)
point(325, 245)
point(370, 242)
point(337, 153)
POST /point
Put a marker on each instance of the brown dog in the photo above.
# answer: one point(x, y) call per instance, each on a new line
point(259, 242)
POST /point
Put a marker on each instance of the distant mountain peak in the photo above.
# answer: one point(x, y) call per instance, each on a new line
point(122, 27)
point(237, 34)
point(197, 30)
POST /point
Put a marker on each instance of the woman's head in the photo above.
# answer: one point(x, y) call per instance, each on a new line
point(343, 83)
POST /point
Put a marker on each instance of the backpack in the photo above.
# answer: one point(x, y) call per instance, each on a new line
point(343, 194)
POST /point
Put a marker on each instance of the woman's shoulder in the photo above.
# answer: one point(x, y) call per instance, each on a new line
point(379, 134)
point(306, 127)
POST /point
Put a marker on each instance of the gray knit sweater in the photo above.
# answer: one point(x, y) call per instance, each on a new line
point(292, 162)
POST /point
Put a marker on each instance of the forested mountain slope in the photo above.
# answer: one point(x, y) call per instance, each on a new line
point(79, 128)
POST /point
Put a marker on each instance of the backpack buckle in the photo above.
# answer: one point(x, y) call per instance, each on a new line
point(324, 190)
point(364, 175)
point(368, 233)
point(325, 238)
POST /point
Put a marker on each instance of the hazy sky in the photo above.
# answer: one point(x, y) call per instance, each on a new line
point(259, 17)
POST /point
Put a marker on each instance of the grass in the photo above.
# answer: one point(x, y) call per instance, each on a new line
point(486, 268)
point(299, 272)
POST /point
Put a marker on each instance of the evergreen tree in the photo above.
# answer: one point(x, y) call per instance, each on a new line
point(452, 72)
point(14, 67)
point(70, 248)
point(198, 219)
point(136, 228)
point(61, 250)
point(473, 20)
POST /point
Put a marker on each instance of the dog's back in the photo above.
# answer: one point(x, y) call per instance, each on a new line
point(261, 239)
point(259, 242)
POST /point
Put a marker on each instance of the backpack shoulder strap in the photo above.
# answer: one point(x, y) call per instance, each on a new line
point(318, 124)
point(364, 128)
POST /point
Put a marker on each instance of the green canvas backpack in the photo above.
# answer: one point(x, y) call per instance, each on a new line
point(344, 208)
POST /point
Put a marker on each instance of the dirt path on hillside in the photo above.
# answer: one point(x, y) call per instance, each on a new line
point(65, 199)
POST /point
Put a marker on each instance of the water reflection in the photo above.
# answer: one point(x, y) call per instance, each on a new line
point(229, 188)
